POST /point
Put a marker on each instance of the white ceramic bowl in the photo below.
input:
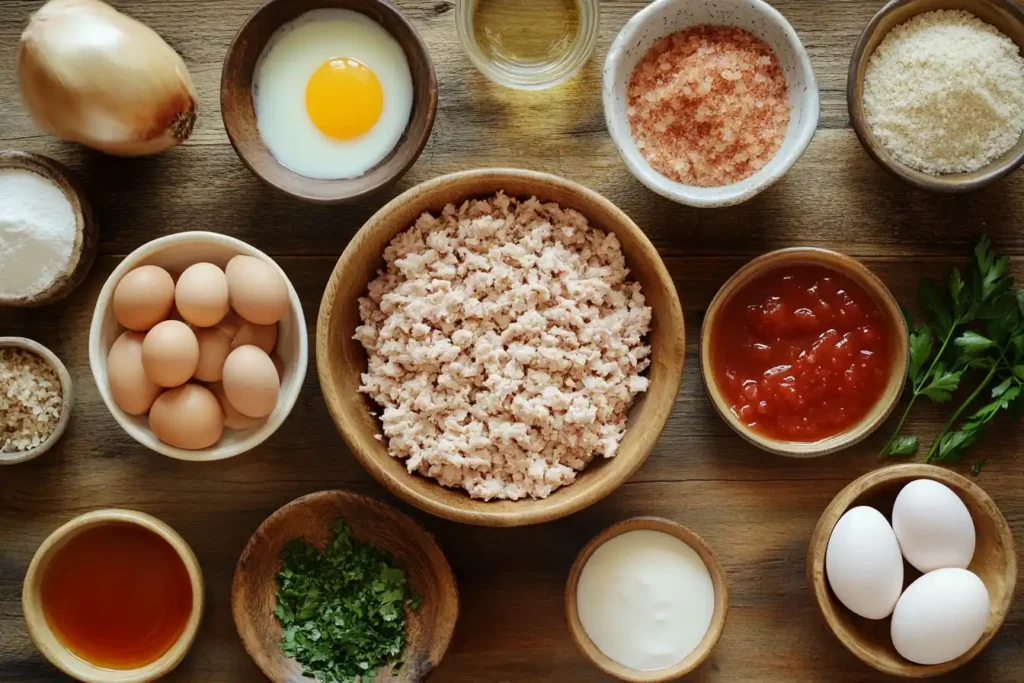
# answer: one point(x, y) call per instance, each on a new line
point(175, 253)
point(665, 17)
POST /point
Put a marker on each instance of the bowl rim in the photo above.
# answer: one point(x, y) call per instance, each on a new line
point(86, 228)
point(946, 183)
point(67, 388)
point(527, 514)
point(779, 164)
point(286, 401)
point(845, 499)
point(875, 287)
point(426, 540)
point(229, 113)
point(718, 581)
point(46, 641)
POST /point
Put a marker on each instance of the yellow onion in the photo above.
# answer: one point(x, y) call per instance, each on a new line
point(92, 75)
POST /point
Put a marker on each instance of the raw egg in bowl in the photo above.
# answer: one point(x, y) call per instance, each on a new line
point(328, 100)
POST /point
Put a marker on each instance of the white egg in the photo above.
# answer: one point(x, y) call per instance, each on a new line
point(940, 616)
point(333, 94)
point(933, 526)
point(863, 563)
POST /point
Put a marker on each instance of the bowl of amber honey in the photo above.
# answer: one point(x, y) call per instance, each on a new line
point(114, 596)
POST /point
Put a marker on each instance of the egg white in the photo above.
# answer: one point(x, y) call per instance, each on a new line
point(293, 53)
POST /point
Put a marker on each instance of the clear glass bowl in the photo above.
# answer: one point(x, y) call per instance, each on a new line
point(535, 76)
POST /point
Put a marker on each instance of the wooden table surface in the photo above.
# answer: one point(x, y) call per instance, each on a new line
point(757, 511)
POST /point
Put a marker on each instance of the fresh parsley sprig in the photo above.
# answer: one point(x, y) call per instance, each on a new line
point(343, 608)
point(979, 324)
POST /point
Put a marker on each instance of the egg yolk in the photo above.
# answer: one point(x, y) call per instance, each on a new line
point(344, 98)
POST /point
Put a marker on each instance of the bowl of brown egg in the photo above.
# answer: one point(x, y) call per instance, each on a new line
point(198, 346)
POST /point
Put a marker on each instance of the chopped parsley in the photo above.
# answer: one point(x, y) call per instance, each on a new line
point(342, 608)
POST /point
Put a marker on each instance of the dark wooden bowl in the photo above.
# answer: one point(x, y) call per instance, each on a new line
point(340, 359)
point(706, 645)
point(240, 116)
point(87, 238)
point(312, 517)
point(995, 563)
point(1005, 15)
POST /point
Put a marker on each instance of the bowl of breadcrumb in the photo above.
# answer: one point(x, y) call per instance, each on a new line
point(709, 102)
point(500, 347)
point(36, 398)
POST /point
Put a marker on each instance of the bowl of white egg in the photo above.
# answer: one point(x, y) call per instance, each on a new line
point(914, 569)
point(328, 100)
point(198, 346)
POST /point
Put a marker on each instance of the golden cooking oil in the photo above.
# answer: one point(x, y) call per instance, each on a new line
point(526, 35)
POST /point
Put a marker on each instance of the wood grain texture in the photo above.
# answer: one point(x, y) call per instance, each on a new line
point(313, 518)
point(341, 358)
point(757, 511)
point(994, 561)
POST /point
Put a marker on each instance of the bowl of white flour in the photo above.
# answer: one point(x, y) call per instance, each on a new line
point(48, 236)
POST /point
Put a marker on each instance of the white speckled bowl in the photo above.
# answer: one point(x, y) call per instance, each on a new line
point(665, 17)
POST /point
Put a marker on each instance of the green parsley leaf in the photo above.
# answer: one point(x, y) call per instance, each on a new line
point(976, 467)
point(901, 445)
point(920, 352)
point(342, 609)
point(934, 302)
point(972, 343)
point(941, 385)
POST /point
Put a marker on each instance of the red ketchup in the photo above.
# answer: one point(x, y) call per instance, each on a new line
point(801, 353)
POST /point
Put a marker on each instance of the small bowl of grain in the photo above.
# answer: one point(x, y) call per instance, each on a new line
point(941, 114)
point(709, 103)
point(36, 398)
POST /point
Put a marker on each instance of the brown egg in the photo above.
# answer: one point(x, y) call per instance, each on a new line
point(170, 353)
point(214, 347)
point(278, 365)
point(187, 417)
point(263, 336)
point(143, 297)
point(232, 418)
point(230, 324)
point(251, 382)
point(202, 295)
point(257, 290)
point(132, 390)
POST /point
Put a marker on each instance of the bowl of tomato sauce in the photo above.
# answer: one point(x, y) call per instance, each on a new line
point(804, 351)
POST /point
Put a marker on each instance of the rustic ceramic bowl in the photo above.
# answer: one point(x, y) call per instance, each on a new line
point(312, 518)
point(87, 236)
point(240, 116)
point(899, 349)
point(1005, 15)
point(665, 17)
point(67, 394)
point(47, 642)
point(341, 359)
point(995, 562)
point(706, 645)
point(175, 253)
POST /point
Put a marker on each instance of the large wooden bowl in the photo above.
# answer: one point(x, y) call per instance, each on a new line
point(1005, 15)
point(312, 518)
point(341, 359)
point(707, 643)
point(87, 231)
point(239, 112)
point(995, 562)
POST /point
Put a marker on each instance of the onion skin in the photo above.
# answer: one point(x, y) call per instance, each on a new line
point(92, 75)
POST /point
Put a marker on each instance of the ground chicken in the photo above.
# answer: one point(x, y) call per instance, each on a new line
point(505, 346)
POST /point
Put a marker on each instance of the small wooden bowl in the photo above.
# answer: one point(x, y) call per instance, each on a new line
point(707, 644)
point(47, 642)
point(240, 115)
point(87, 236)
point(995, 562)
point(899, 349)
point(1005, 15)
point(67, 394)
point(312, 518)
point(341, 359)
